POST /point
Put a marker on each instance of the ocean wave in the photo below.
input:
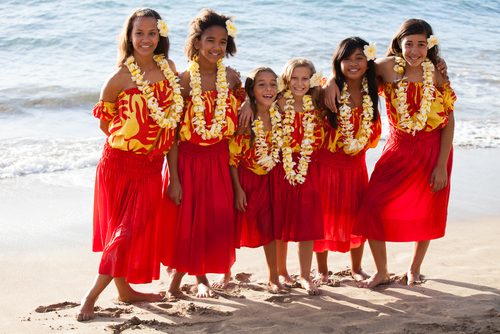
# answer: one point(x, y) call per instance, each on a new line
point(24, 156)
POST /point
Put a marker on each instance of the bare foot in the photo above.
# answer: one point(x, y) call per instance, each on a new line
point(320, 279)
point(174, 294)
point(222, 282)
point(276, 287)
point(375, 280)
point(204, 289)
point(359, 275)
point(134, 296)
point(288, 281)
point(415, 278)
point(86, 310)
point(310, 287)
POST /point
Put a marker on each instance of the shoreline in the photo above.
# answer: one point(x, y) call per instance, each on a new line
point(46, 260)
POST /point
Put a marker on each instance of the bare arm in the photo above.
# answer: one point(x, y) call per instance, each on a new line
point(439, 177)
point(331, 94)
point(240, 199)
point(174, 188)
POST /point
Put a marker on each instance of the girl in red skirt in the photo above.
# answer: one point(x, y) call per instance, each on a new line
point(407, 198)
point(295, 182)
point(253, 153)
point(139, 120)
point(341, 158)
point(200, 231)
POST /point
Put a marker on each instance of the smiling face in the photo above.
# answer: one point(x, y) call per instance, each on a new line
point(265, 88)
point(144, 36)
point(414, 49)
point(212, 44)
point(299, 82)
point(354, 66)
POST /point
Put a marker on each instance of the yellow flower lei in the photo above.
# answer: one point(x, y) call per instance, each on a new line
point(265, 160)
point(157, 112)
point(351, 144)
point(405, 121)
point(219, 118)
point(306, 148)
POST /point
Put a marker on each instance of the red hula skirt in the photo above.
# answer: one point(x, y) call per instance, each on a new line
point(344, 180)
point(127, 214)
point(399, 205)
point(297, 211)
point(199, 234)
point(254, 227)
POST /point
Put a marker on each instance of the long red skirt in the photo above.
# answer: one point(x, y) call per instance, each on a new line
point(399, 205)
point(254, 227)
point(344, 180)
point(199, 234)
point(127, 213)
point(297, 211)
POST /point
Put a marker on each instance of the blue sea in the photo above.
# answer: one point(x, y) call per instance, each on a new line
point(55, 56)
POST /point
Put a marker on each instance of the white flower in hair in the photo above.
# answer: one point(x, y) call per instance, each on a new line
point(370, 51)
point(231, 28)
point(315, 79)
point(431, 41)
point(162, 28)
point(281, 84)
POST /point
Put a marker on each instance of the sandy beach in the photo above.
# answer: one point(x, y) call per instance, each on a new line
point(47, 266)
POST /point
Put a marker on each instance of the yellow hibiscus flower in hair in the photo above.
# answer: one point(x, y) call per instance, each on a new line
point(431, 41)
point(370, 51)
point(231, 28)
point(162, 28)
point(315, 79)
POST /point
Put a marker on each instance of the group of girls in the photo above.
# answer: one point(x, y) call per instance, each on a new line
point(298, 173)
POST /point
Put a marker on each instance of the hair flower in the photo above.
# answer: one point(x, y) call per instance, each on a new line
point(280, 84)
point(370, 51)
point(315, 79)
point(162, 28)
point(431, 41)
point(231, 28)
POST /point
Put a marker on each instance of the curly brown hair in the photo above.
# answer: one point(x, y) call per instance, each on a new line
point(125, 47)
point(206, 19)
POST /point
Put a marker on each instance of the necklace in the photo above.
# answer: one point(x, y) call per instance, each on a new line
point(219, 118)
point(405, 121)
point(354, 145)
point(306, 148)
point(265, 160)
point(157, 112)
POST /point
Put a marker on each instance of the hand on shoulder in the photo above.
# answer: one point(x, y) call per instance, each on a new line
point(232, 78)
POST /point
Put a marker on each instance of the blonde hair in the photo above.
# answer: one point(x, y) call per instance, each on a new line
point(290, 66)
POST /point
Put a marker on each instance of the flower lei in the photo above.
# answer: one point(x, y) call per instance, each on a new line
point(306, 148)
point(351, 144)
point(265, 160)
point(157, 112)
point(219, 118)
point(405, 121)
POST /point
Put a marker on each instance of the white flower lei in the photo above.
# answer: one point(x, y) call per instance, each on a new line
point(306, 148)
point(405, 121)
point(219, 118)
point(157, 112)
point(265, 160)
point(351, 144)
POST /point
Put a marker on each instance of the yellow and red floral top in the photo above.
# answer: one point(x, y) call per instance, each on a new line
point(334, 140)
point(241, 154)
point(298, 134)
point(234, 101)
point(441, 107)
point(131, 127)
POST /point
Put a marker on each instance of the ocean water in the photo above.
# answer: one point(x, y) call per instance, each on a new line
point(56, 54)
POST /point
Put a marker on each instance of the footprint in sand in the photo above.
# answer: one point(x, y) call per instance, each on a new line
point(56, 307)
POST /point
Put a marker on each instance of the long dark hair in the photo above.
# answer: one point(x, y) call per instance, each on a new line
point(413, 27)
point(345, 49)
